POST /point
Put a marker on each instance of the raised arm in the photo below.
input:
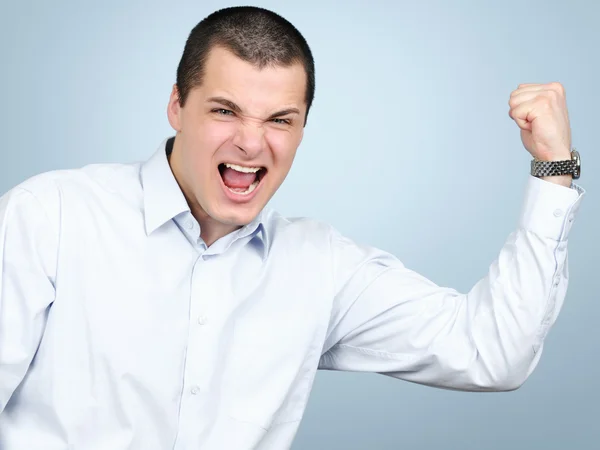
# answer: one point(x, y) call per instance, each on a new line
point(391, 320)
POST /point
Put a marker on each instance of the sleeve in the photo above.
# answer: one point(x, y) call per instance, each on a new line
point(28, 251)
point(390, 320)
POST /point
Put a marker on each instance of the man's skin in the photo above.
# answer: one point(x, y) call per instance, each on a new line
point(211, 132)
point(255, 118)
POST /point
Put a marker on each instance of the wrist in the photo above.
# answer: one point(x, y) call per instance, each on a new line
point(563, 180)
point(558, 156)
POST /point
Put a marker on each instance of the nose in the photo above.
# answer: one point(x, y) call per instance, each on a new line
point(250, 138)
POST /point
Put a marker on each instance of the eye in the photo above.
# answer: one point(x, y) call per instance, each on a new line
point(223, 112)
point(282, 121)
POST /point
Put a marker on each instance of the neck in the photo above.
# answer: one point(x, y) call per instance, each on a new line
point(211, 229)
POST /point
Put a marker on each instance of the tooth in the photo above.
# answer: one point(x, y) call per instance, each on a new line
point(247, 191)
point(242, 169)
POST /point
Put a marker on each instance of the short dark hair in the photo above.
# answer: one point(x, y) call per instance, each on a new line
point(253, 34)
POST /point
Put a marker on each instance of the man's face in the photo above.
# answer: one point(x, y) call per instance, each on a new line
point(237, 136)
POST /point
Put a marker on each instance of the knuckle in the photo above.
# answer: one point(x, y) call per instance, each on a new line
point(558, 88)
point(552, 96)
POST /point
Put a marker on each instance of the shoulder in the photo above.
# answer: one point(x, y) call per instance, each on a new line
point(43, 194)
point(321, 244)
point(310, 230)
point(307, 229)
point(33, 199)
point(306, 234)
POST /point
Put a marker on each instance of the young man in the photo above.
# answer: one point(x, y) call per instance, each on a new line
point(160, 305)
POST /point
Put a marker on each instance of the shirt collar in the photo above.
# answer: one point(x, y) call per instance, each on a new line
point(164, 200)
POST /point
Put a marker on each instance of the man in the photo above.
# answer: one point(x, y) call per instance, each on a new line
point(160, 305)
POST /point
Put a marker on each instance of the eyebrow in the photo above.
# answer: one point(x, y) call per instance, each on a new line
point(235, 108)
point(284, 112)
point(228, 103)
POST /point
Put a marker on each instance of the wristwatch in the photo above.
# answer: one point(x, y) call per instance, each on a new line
point(550, 168)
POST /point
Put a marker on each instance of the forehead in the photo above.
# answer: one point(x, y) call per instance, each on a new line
point(227, 75)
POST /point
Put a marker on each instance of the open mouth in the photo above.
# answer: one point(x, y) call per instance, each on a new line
point(241, 180)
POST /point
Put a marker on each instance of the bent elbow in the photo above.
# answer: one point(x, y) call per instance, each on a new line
point(513, 374)
point(509, 383)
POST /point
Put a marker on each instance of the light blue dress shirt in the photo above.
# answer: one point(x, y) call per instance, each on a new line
point(120, 330)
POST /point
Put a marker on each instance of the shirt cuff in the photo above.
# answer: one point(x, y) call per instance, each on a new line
point(549, 209)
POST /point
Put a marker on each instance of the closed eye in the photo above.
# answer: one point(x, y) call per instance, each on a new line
point(282, 121)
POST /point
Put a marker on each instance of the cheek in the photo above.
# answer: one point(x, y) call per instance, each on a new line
point(207, 139)
point(283, 146)
point(215, 133)
point(209, 135)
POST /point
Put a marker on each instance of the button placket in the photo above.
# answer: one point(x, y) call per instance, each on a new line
point(197, 343)
point(200, 348)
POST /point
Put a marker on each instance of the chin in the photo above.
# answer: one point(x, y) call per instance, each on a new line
point(236, 215)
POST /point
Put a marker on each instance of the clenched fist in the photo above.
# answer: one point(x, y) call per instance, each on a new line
point(540, 110)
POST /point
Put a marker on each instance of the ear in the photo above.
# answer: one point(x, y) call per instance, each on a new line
point(174, 109)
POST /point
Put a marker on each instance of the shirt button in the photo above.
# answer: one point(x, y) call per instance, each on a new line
point(558, 212)
point(202, 320)
point(195, 390)
point(189, 224)
point(557, 281)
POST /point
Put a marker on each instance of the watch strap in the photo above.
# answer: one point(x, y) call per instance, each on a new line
point(552, 168)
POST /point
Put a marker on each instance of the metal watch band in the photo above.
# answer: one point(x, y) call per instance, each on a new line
point(553, 168)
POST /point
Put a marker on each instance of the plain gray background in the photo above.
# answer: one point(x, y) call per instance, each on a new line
point(409, 147)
